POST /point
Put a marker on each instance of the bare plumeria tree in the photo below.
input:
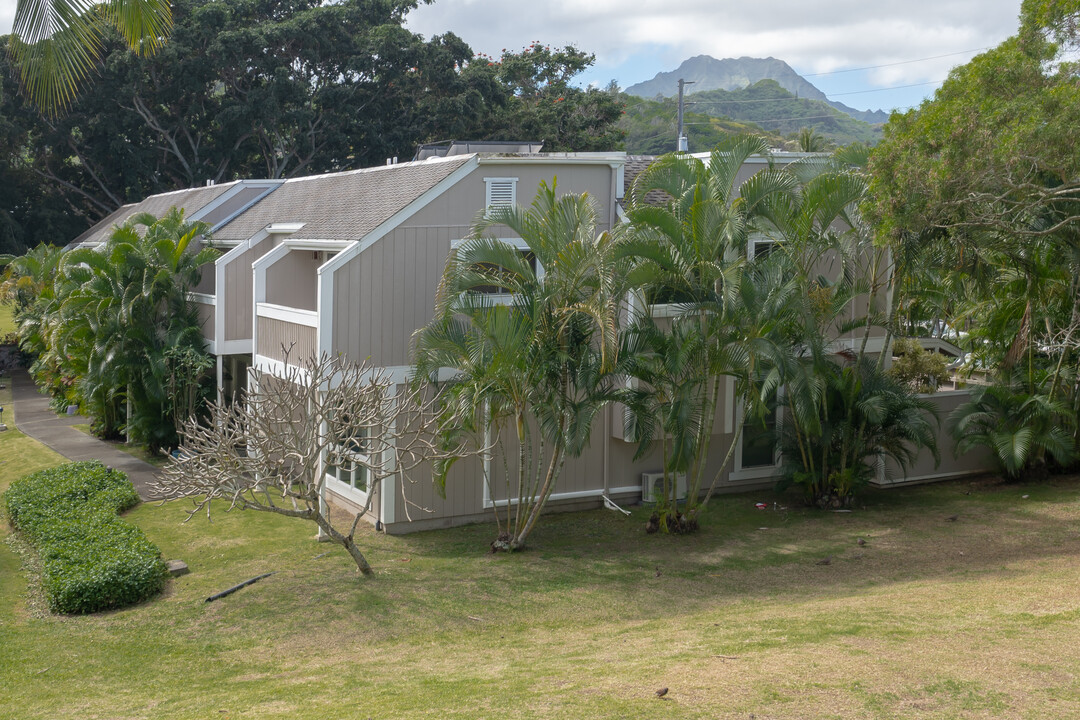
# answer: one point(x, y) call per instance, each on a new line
point(271, 450)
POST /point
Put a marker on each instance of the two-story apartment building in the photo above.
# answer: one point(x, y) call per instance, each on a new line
point(349, 263)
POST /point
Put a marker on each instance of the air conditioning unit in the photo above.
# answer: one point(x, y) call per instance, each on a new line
point(653, 483)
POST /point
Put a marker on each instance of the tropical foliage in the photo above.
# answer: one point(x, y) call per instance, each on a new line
point(919, 369)
point(529, 335)
point(690, 254)
point(1022, 429)
point(977, 192)
point(113, 329)
point(56, 43)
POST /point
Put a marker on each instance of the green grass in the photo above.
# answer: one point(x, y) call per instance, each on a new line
point(977, 618)
point(7, 321)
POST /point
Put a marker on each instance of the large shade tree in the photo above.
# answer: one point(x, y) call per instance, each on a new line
point(978, 192)
point(286, 88)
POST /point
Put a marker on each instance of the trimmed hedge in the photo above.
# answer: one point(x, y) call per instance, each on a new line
point(91, 559)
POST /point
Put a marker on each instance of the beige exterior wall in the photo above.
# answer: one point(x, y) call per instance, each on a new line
point(975, 462)
point(387, 292)
point(238, 291)
point(461, 203)
point(276, 336)
point(206, 319)
point(206, 280)
point(293, 281)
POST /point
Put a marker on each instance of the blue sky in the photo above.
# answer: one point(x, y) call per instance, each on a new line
point(635, 39)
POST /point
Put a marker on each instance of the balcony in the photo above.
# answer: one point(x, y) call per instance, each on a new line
point(282, 330)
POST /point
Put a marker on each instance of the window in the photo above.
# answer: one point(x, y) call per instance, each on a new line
point(759, 442)
point(348, 463)
point(523, 250)
point(350, 473)
point(760, 247)
point(757, 456)
point(501, 192)
point(529, 257)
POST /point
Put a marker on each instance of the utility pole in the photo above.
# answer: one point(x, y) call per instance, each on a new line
point(683, 145)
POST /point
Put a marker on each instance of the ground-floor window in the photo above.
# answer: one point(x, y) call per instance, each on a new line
point(347, 464)
point(759, 447)
point(757, 455)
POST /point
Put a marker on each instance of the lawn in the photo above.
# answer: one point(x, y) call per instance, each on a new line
point(973, 618)
point(7, 321)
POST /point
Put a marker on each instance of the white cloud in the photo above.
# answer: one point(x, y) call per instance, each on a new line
point(810, 36)
point(7, 16)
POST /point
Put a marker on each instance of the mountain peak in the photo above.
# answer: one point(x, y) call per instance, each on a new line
point(708, 73)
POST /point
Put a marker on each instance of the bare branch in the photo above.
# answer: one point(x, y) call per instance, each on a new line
point(280, 439)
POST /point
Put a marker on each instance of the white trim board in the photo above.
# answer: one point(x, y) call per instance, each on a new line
point(280, 370)
point(599, 492)
point(296, 316)
point(203, 298)
point(324, 337)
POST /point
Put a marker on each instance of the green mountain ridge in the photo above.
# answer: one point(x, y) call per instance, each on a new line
point(704, 73)
point(781, 112)
point(651, 126)
point(764, 108)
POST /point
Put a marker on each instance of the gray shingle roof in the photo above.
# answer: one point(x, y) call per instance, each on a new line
point(635, 165)
point(190, 200)
point(342, 206)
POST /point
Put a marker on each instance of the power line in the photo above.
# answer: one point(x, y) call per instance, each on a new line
point(895, 87)
point(758, 122)
point(902, 62)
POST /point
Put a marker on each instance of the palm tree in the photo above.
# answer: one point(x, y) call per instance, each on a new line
point(538, 357)
point(122, 313)
point(1019, 426)
point(810, 140)
point(56, 43)
point(690, 253)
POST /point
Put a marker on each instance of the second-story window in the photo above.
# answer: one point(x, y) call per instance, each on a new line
point(529, 258)
point(760, 247)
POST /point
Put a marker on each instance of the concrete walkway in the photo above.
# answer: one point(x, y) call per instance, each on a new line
point(34, 417)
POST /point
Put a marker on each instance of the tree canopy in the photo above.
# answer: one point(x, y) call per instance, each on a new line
point(250, 88)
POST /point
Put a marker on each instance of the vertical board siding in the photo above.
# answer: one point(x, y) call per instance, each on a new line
point(206, 320)
point(387, 292)
point(238, 292)
point(293, 281)
point(277, 336)
point(207, 278)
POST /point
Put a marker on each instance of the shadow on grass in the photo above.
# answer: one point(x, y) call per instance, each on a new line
point(598, 562)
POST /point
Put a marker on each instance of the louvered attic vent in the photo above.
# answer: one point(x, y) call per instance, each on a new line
point(501, 192)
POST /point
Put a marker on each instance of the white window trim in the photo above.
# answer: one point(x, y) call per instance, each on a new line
point(360, 463)
point(518, 243)
point(756, 239)
point(346, 490)
point(490, 182)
